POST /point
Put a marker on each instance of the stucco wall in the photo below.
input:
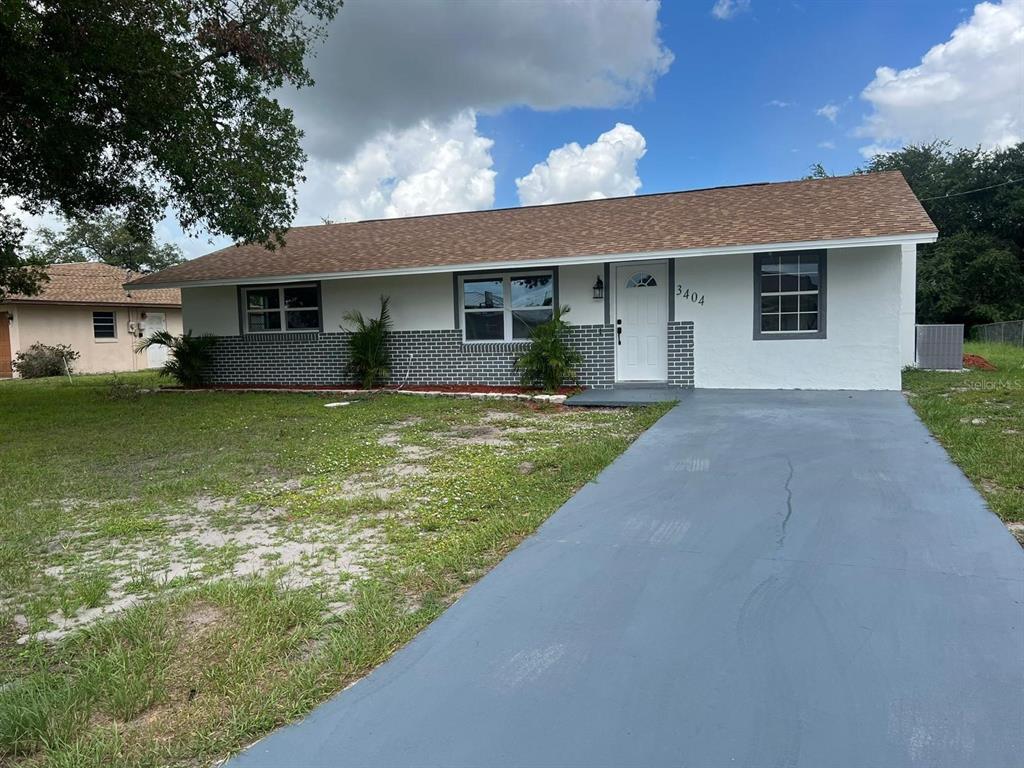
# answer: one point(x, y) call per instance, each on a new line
point(576, 288)
point(418, 302)
point(67, 324)
point(908, 305)
point(862, 349)
point(210, 310)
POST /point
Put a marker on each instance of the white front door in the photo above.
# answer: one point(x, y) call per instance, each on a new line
point(641, 322)
point(156, 355)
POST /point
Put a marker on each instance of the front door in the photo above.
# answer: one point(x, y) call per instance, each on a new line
point(156, 355)
point(6, 371)
point(641, 322)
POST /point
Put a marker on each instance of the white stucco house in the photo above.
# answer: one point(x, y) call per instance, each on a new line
point(804, 284)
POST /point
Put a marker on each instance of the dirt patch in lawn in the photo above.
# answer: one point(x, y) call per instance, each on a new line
point(218, 540)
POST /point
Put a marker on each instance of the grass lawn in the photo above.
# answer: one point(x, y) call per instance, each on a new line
point(182, 572)
point(979, 417)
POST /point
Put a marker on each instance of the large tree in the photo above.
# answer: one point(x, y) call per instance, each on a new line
point(108, 239)
point(140, 106)
point(975, 272)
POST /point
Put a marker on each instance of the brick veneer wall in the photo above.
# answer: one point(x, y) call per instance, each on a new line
point(680, 353)
point(313, 358)
point(418, 357)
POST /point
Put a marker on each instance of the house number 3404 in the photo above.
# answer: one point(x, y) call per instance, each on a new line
point(686, 293)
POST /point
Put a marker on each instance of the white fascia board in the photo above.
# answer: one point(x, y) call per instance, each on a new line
point(853, 242)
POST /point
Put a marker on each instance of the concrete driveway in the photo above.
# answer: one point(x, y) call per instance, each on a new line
point(763, 579)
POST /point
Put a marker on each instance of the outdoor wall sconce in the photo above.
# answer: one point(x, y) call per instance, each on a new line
point(599, 288)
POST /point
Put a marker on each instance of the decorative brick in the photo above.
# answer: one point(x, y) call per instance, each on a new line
point(680, 353)
point(417, 357)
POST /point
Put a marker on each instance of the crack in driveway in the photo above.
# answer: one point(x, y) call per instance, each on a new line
point(789, 503)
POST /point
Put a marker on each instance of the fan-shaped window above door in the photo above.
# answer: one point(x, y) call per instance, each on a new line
point(641, 280)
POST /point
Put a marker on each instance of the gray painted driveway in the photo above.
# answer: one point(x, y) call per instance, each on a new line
point(764, 579)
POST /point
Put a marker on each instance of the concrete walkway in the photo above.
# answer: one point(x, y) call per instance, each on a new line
point(763, 579)
point(622, 397)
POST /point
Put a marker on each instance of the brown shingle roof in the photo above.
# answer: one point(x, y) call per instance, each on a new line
point(95, 283)
point(868, 205)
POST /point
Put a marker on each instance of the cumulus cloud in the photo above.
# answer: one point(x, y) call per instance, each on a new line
point(386, 66)
point(830, 112)
point(969, 89)
point(727, 9)
point(606, 168)
point(432, 167)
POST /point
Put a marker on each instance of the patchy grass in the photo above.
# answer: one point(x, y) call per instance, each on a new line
point(182, 572)
point(979, 417)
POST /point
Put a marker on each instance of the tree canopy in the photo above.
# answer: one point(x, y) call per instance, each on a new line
point(106, 238)
point(141, 107)
point(975, 272)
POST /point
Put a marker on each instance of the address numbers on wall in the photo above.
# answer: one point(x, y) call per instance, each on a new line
point(693, 296)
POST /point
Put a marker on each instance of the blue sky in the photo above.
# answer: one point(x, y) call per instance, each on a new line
point(710, 120)
point(433, 106)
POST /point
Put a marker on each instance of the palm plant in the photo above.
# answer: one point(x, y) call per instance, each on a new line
point(369, 356)
point(188, 356)
point(549, 361)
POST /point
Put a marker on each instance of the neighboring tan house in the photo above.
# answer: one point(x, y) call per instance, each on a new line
point(85, 305)
point(804, 284)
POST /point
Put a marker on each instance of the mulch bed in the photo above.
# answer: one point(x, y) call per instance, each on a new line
point(979, 362)
point(482, 389)
point(456, 389)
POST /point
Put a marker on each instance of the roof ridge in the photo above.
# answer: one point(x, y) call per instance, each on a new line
point(563, 203)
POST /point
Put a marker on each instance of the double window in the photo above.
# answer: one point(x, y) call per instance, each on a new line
point(282, 308)
point(789, 295)
point(506, 307)
point(104, 325)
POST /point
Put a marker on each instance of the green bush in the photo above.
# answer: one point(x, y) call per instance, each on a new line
point(549, 361)
point(188, 356)
point(369, 358)
point(41, 360)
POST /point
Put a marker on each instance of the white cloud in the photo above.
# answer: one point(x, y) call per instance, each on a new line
point(969, 89)
point(14, 206)
point(871, 150)
point(826, 145)
point(727, 9)
point(386, 66)
point(390, 124)
point(428, 168)
point(779, 103)
point(830, 112)
point(606, 168)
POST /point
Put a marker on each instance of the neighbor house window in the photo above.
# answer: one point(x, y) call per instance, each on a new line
point(506, 307)
point(104, 325)
point(282, 308)
point(789, 295)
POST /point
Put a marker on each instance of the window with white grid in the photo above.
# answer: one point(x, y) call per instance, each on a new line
point(790, 294)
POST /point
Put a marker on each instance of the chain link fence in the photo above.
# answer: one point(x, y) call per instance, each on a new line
point(1011, 332)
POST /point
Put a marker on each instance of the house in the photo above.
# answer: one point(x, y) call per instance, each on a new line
point(85, 305)
point(803, 284)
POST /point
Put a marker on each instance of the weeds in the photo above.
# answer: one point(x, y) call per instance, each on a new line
point(209, 660)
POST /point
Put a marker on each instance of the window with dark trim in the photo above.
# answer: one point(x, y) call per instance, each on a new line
point(789, 295)
point(104, 325)
point(281, 308)
point(505, 307)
